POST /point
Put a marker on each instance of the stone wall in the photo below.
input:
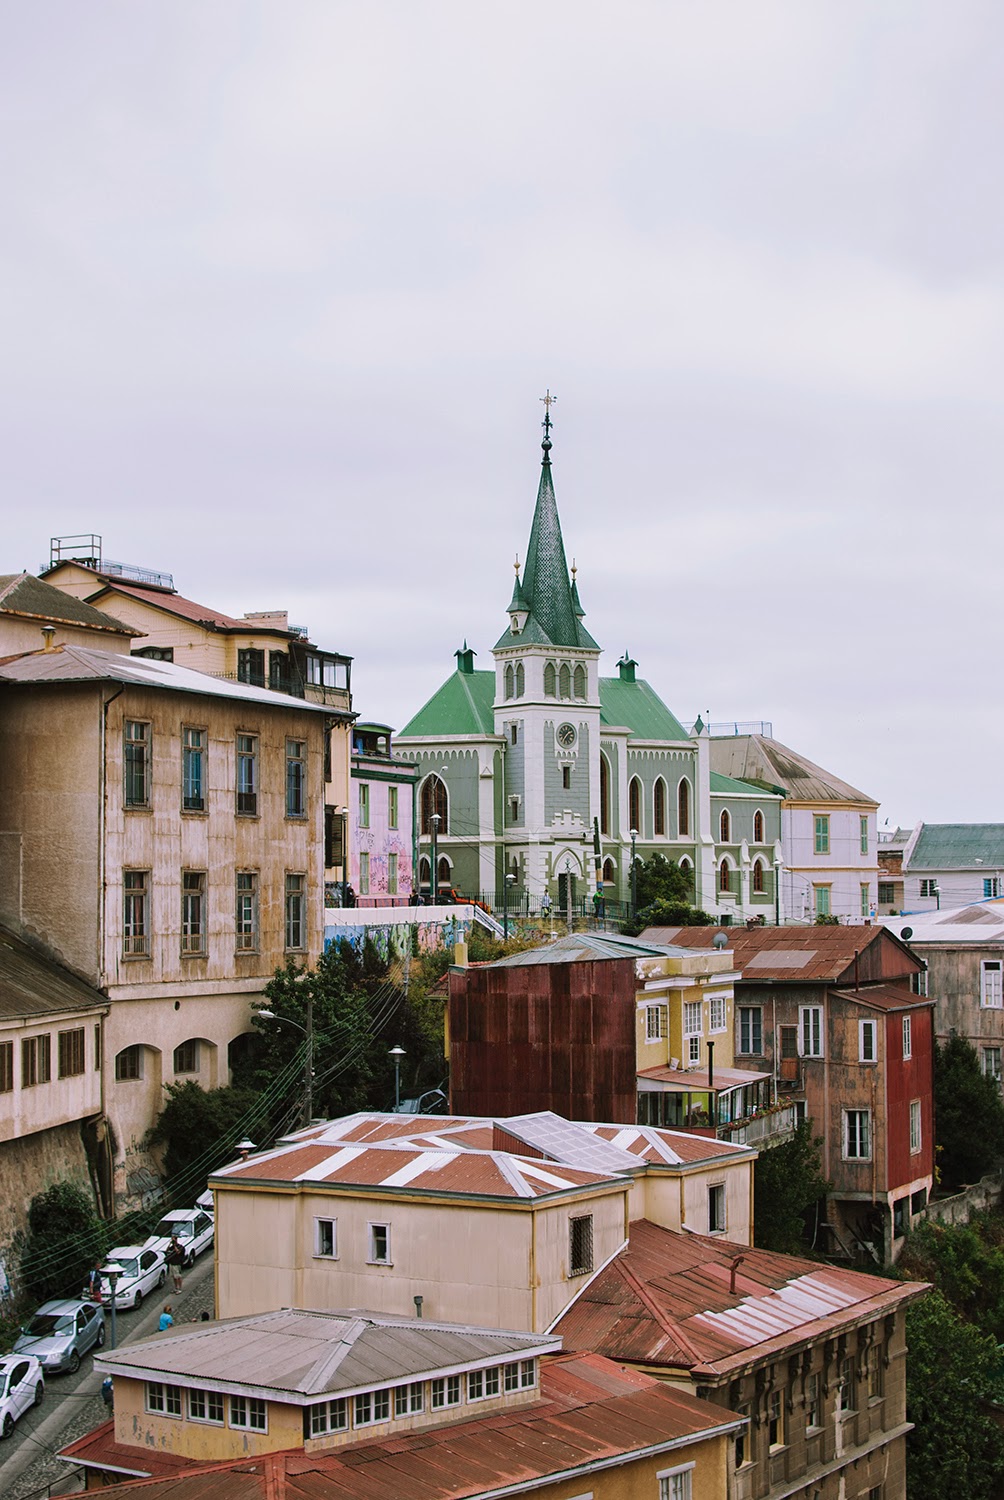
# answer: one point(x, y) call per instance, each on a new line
point(978, 1198)
point(27, 1167)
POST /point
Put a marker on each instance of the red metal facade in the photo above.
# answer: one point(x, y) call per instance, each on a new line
point(544, 1036)
point(909, 1079)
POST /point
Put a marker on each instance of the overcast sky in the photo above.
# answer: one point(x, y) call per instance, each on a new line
point(281, 284)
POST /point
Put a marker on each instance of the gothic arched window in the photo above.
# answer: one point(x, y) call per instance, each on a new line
point(604, 795)
point(520, 680)
point(758, 827)
point(565, 681)
point(634, 803)
point(580, 681)
point(725, 826)
point(659, 809)
point(724, 882)
point(683, 809)
point(508, 681)
point(434, 800)
point(758, 876)
point(608, 872)
point(549, 680)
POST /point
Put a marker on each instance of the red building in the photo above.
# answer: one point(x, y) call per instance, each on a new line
point(831, 1014)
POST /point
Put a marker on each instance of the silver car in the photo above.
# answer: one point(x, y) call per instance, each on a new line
point(140, 1271)
point(61, 1332)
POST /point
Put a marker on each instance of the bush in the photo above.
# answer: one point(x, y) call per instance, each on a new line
point(787, 1181)
point(968, 1114)
point(65, 1238)
point(955, 1448)
point(199, 1130)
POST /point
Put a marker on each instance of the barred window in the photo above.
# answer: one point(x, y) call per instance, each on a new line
point(193, 764)
point(247, 911)
point(193, 911)
point(136, 763)
point(135, 913)
point(580, 1244)
point(247, 775)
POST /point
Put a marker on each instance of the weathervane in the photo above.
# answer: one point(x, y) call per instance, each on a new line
point(548, 401)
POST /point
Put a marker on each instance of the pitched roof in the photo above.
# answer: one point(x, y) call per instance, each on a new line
point(585, 947)
point(32, 986)
point(29, 597)
point(188, 609)
point(307, 1354)
point(958, 846)
point(887, 997)
point(667, 1299)
point(638, 707)
point(723, 785)
point(786, 953)
point(67, 663)
point(592, 1413)
point(754, 757)
point(463, 705)
point(982, 922)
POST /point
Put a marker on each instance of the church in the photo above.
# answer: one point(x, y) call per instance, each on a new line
point(539, 778)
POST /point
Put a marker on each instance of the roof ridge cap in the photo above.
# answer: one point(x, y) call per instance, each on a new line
point(646, 1299)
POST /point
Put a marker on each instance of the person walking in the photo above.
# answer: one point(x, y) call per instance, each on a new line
point(175, 1257)
point(92, 1289)
point(166, 1319)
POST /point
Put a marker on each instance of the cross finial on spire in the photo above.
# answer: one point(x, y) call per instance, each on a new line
point(548, 401)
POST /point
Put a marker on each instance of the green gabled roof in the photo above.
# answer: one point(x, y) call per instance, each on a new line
point(463, 705)
point(636, 706)
point(725, 784)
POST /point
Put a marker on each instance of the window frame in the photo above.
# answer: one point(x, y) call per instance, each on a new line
point(655, 1023)
point(37, 1071)
point(246, 774)
point(755, 1030)
point(821, 833)
point(718, 1006)
point(863, 829)
point(246, 909)
point(676, 1483)
point(295, 912)
point(393, 875)
point(856, 1135)
point(907, 1038)
point(321, 1417)
point(192, 1042)
point(916, 1128)
point(320, 1226)
point(868, 1041)
point(393, 807)
point(717, 1208)
point(136, 935)
point(251, 1410)
point(445, 1391)
point(409, 1399)
point(137, 764)
point(210, 1397)
point(193, 913)
point(821, 900)
point(991, 995)
point(6, 1067)
point(168, 1395)
point(372, 1258)
point(580, 1245)
point(71, 1049)
point(811, 1031)
point(296, 780)
point(130, 1071)
point(364, 804)
point(193, 753)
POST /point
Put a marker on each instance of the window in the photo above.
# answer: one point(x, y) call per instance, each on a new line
point(296, 929)
point(874, 1370)
point(70, 1051)
point(742, 1437)
point(206, 1406)
point(527, 1373)
point(379, 1245)
point(716, 1208)
point(326, 1238)
point(193, 765)
point(846, 1386)
point(193, 911)
point(251, 667)
point(580, 1244)
point(915, 1131)
point(992, 1062)
point(296, 778)
point(97, 1048)
point(314, 671)
point(550, 680)
point(992, 886)
point(822, 833)
point(364, 804)
point(907, 1036)
point(810, 1030)
point(445, 1392)
point(136, 760)
point(866, 1042)
point(634, 803)
point(683, 809)
point(716, 1006)
point(725, 827)
point(513, 809)
point(676, 1484)
point(604, 795)
point(659, 809)
point(930, 887)
point(186, 1057)
point(483, 1383)
point(409, 1399)
point(918, 982)
point(370, 1407)
point(364, 873)
point(724, 876)
point(564, 681)
point(247, 911)
point(247, 775)
point(655, 1022)
point(6, 1067)
point(822, 899)
point(392, 874)
point(857, 1134)
point(511, 1373)
point(162, 1398)
point(758, 827)
point(751, 1030)
point(566, 778)
point(863, 822)
point(692, 1029)
point(36, 1062)
point(813, 1404)
point(990, 983)
point(248, 1412)
point(775, 1420)
point(758, 877)
point(135, 913)
point(886, 892)
point(392, 809)
point(509, 680)
point(579, 681)
point(520, 680)
point(129, 1064)
point(325, 1416)
point(434, 801)
point(866, 900)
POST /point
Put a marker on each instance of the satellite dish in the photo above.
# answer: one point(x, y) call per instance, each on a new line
point(719, 941)
point(906, 934)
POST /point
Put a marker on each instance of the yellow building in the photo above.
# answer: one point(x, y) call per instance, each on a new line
point(378, 1407)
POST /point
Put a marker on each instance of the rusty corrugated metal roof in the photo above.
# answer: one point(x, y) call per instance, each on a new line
point(32, 986)
point(887, 997)
point(591, 1411)
point(787, 953)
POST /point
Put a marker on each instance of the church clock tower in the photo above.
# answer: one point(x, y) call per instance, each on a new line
point(547, 713)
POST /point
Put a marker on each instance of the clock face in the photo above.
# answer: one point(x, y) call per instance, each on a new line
point(566, 736)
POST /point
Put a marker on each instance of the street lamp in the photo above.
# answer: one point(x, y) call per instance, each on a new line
point(434, 870)
point(308, 1031)
point(634, 875)
point(112, 1272)
point(397, 1053)
point(507, 885)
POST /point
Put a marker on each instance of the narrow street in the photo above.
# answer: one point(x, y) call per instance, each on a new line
point(73, 1403)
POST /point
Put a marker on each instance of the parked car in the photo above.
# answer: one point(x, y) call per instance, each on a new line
point(142, 1271)
point(193, 1227)
point(206, 1202)
point(61, 1332)
point(432, 1102)
point(22, 1385)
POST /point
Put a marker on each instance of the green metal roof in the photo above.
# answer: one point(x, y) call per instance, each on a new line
point(463, 705)
point(725, 784)
point(959, 846)
point(636, 706)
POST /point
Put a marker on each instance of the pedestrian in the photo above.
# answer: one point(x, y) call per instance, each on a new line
point(92, 1289)
point(175, 1258)
point(166, 1319)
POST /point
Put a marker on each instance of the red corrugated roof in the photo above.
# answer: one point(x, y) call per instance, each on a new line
point(667, 1299)
point(590, 1410)
point(186, 609)
point(887, 997)
point(827, 951)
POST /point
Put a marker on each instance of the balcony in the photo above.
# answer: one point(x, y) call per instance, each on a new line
point(768, 1127)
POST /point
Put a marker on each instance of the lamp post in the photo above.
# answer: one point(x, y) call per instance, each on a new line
point(507, 884)
point(112, 1272)
point(397, 1053)
point(308, 1031)
point(634, 875)
point(434, 869)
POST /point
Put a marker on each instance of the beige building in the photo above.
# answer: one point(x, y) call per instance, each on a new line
point(370, 1407)
point(161, 836)
point(495, 1220)
point(31, 610)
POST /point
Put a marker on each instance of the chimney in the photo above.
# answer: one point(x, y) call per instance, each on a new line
point(48, 636)
point(732, 1280)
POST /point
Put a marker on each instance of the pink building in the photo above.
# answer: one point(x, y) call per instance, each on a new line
point(381, 820)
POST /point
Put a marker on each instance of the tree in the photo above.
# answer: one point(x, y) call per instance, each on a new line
point(64, 1240)
point(787, 1181)
point(661, 879)
point(199, 1130)
point(968, 1114)
point(955, 1448)
point(668, 914)
point(966, 1264)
